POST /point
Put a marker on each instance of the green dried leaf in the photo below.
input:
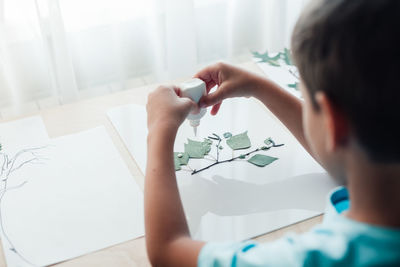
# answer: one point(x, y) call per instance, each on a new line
point(177, 164)
point(269, 141)
point(273, 61)
point(208, 141)
point(193, 142)
point(243, 156)
point(275, 58)
point(266, 56)
point(196, 149)
point(221, 147)
point(227, 135)
point(261, 160)
point(183, 160)
point(207, 147)
point(217, 136)
point(294, 86)
point(286, 56)
point(240, 141)
point(180, 159)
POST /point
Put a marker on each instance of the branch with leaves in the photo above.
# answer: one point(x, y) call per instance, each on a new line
point(282, 58)
point(198, 150)
point(276, 60)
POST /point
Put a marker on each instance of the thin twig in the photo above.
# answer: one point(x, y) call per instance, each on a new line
point(294, 74)
point(4, 162)
point(238, 157)
point(219, 143)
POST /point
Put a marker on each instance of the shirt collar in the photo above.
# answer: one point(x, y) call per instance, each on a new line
point(338, 201)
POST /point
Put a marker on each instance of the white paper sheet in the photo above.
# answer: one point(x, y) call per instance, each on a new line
point(237, 200)
point(130, 121)
point(15, 135)
point(79, 197)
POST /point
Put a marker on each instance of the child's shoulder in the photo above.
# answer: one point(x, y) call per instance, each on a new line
point(338, 240)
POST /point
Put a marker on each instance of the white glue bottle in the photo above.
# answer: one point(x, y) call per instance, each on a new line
point(194, 89)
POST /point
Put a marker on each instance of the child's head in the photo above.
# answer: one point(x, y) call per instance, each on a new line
point(348, 54)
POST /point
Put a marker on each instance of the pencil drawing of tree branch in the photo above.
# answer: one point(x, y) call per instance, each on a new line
point(9, 165)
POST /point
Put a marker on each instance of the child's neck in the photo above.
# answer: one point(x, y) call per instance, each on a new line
point(374, 192)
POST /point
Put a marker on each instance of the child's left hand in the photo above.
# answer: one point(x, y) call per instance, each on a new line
point(166, 110)
point(167, 234)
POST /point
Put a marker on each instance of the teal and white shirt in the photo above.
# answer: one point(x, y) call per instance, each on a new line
point(338, 241)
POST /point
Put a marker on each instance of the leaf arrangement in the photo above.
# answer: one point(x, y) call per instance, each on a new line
point(282, 58)
point(276, 60)
point(198, 150)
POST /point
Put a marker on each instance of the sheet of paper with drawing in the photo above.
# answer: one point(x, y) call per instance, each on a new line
point(16, 135)
point(76, 198)
point(246, 197)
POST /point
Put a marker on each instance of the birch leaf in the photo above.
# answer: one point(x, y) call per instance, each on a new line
point(294, 86)
point(227, 135)
point(272, 60)
point(287, 57)
point(196, 149)
point(177, 164)
point(207, 147)
point(268, 141)
point(273, 63)
point(183, 158)
point(261, 160)
point(207, 141)
point(240, 141)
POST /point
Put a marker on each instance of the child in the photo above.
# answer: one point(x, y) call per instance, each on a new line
point(347, 54)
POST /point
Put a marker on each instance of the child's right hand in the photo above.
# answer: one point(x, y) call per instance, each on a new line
point(231, 81)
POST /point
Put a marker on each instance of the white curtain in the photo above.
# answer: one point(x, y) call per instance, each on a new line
point(59, 47)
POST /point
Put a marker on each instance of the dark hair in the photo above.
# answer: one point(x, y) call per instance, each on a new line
point(350, 50)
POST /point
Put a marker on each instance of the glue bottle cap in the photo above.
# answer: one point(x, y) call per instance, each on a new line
point(193, 89)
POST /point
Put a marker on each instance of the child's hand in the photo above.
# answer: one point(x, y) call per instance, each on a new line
point(231, 81)
point(166, 110)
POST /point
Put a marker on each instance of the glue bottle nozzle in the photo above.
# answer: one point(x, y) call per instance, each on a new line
point(194, 124)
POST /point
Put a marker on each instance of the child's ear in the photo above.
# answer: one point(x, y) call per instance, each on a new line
point(335, 122)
